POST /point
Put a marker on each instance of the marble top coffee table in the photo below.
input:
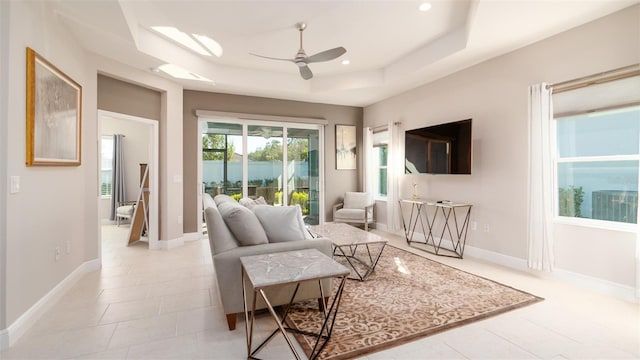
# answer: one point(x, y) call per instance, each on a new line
point(290, 267)
point(346, 239)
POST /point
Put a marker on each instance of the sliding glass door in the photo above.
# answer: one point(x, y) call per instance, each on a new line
point(303, 181)
point(281, 163)
point(222, 159)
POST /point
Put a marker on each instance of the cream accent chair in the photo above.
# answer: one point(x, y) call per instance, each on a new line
point(356, 208)
point(226, 252)
point(125, 211)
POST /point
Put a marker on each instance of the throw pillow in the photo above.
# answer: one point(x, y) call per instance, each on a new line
point(250, 203)
point(281, 223)
point(243, 224)
point(220, 198)
point(303, 226)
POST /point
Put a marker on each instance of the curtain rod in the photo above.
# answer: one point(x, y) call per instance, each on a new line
point(606, 76)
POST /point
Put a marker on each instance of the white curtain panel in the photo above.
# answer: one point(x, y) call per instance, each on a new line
point(540, 199)
point(369, 164)
point(395, 169)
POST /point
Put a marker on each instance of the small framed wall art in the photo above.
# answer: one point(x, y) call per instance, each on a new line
point(346, 158)
point(54, 114)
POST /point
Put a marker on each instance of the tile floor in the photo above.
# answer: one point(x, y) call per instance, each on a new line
point(164, 305)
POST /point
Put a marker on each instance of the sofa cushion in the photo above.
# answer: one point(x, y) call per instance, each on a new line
point(244, 225)
point(281, 223)
point(350, 214)
point(220, 238)
point(303, 226)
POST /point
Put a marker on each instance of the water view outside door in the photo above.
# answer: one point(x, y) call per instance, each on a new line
point(297, 183)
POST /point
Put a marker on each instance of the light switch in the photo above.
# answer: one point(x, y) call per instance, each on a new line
point(15, 184)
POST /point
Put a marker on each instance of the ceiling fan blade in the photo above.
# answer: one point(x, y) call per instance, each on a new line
point(327, 55)
point(271, 58)
point(305, 72)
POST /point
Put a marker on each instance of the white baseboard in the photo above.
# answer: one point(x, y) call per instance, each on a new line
point(193, 236)
point(605, 287)
point(496, 258)
point(382, 227)
point(12, 334)
point(174, 243)
point(170, 244)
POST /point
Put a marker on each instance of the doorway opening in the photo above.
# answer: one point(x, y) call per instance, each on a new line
point(140, 144)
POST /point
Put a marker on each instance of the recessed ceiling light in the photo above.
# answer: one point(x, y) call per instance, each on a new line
point(425, 7)
point(346, 62)
point(181, 73)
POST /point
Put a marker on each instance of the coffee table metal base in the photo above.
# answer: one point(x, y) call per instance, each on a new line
point(350, 255)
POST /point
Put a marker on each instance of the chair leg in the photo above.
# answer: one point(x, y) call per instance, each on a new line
point(231, 321)
point(366, 226)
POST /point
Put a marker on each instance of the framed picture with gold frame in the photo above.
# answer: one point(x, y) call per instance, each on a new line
point(54, 115)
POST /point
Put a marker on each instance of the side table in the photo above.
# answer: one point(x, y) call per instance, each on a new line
point(290, 267)
point(452, 229)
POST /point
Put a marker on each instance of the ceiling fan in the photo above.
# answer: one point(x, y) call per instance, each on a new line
point(302, 60)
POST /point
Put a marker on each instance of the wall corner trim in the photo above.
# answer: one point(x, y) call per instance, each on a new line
point(19, 327)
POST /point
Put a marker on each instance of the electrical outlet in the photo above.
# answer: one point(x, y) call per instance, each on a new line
point(487, 227)
point(180, 219)
point(57, 253)
point(67, 249)
point(474, 225)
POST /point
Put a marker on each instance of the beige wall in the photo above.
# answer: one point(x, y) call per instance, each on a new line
point(336, 181)
point(55, 204)
point(495, 95)
point(126, 98)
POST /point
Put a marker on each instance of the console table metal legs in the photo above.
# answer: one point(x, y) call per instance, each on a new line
point(452, 229)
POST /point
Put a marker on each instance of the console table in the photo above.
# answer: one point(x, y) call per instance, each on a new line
point(290, 267)
point(447, 219)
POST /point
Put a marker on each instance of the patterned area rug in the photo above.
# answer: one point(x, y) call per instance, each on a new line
point(407, 297)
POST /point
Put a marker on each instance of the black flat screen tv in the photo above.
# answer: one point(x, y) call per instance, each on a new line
point(439, 149)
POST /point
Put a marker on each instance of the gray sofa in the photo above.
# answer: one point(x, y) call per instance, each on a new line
point(226, 218)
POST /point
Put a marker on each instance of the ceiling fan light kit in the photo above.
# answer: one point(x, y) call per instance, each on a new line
point(302, 60)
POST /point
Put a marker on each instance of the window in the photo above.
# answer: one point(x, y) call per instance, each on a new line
point(380, 152)
point(597, 154)
point(106, 156)
point(597, 165)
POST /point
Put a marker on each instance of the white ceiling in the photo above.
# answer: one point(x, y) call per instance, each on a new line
point(392, 46)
